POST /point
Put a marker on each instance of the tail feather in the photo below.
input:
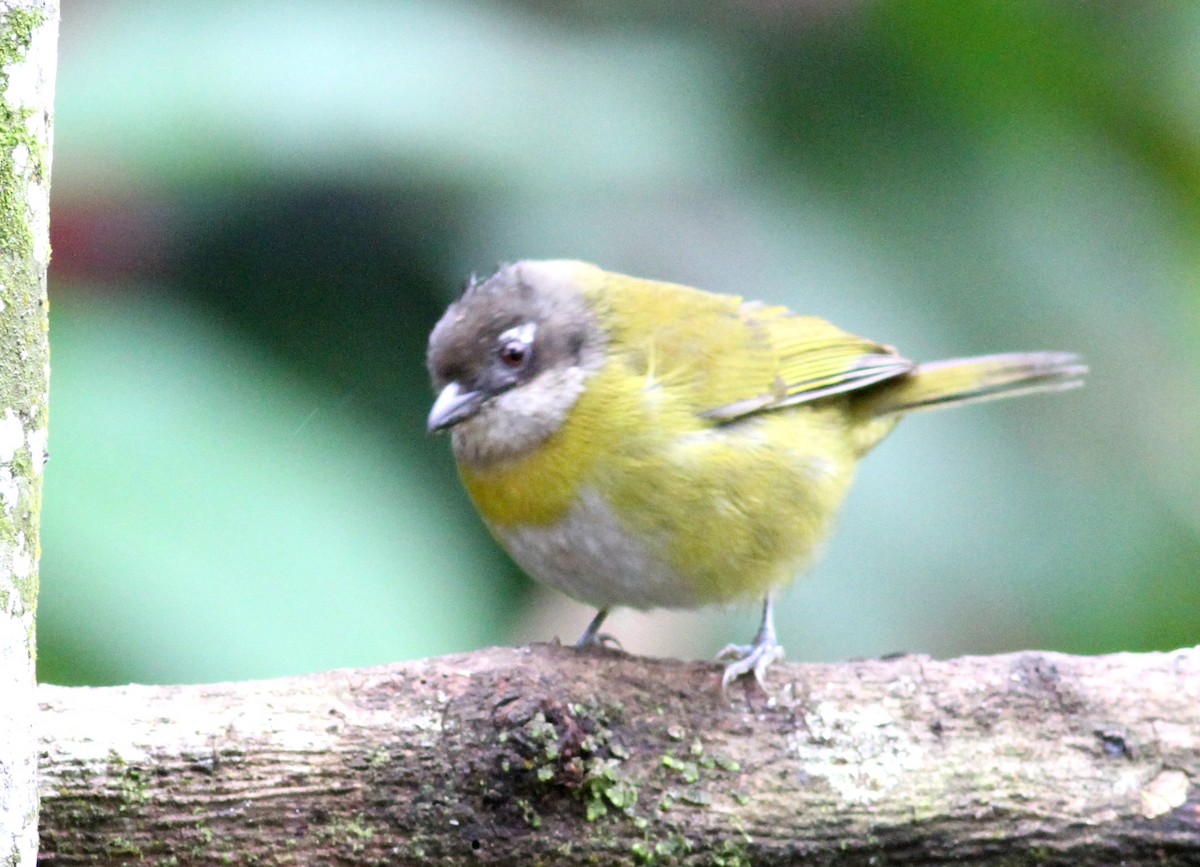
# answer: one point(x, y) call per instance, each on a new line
point(968, 380)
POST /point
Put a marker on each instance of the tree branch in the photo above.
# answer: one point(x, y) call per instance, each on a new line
point(550, 755)
point(28, 52)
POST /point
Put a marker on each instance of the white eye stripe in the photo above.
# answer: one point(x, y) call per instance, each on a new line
point(521, 333)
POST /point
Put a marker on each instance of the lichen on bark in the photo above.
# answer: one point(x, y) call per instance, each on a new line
point(28, 36)
point(24, 254)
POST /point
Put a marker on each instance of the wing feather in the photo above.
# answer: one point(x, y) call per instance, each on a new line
point(727, 359)
point(812, 359)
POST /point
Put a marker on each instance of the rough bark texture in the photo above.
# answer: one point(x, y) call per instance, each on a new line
point(28, 39)
point(548, 755)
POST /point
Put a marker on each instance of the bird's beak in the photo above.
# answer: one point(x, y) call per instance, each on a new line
point(452, 406)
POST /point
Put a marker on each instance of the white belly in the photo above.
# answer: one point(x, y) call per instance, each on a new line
point(590, 556)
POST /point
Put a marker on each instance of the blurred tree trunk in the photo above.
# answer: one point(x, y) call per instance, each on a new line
point(28, 51)
point(548, 755)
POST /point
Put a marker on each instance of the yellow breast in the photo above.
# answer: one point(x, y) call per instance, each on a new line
point(540, 486)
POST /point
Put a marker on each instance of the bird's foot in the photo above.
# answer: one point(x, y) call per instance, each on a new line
point(598, 639)
point(747, 658)
point(593, 637)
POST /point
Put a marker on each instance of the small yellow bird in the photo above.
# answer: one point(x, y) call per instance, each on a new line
point(637, 443)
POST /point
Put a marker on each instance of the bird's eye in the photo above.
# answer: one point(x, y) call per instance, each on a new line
point(514, 353)
point(515, 344)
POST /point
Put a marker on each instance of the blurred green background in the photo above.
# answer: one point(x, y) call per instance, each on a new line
point(260, 209)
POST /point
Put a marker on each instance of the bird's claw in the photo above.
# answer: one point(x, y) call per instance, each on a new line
point(747, 658)
point(598, 639)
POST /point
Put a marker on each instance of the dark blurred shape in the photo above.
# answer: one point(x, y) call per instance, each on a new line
point(113, 239)
point(341, 283)
point(345, 283)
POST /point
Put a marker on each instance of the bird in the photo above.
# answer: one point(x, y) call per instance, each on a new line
point(644, 444)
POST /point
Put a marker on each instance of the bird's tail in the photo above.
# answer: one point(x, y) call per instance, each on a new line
point(966, 380)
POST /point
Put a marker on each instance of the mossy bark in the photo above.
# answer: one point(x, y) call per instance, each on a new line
point(550, 755)
point(28, 40)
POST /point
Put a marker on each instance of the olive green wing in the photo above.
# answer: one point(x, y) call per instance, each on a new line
point(725, 358)
point(812, 359)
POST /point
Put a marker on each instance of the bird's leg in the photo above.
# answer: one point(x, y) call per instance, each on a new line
point(756, 657)
point(592, 636)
